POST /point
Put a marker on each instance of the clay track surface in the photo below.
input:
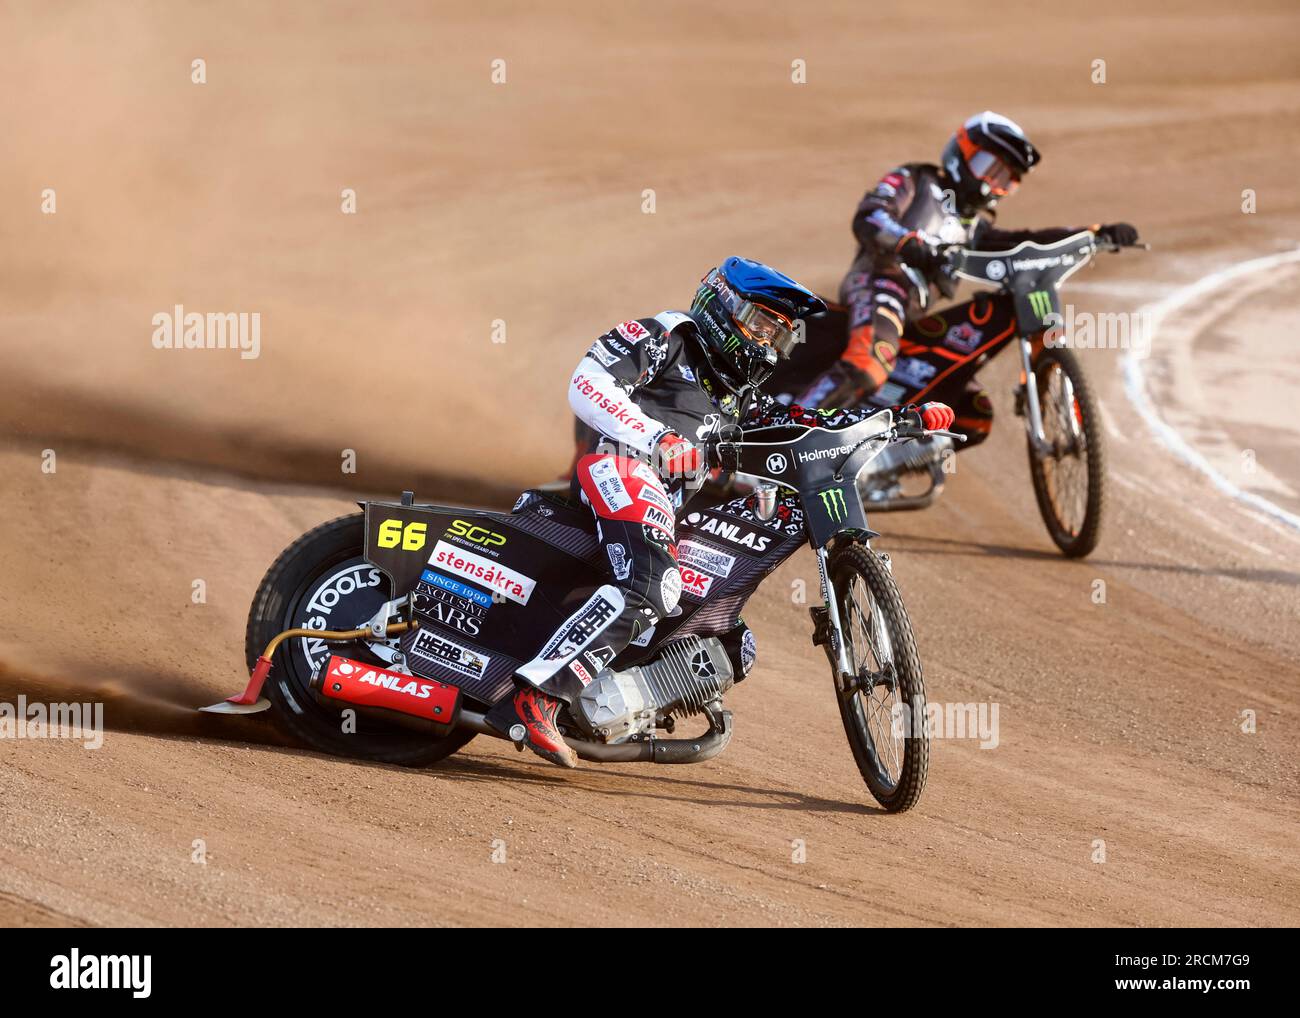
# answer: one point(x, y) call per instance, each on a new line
point(1120, 722)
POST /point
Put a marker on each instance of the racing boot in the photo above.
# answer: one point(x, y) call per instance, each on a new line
point(533, 712)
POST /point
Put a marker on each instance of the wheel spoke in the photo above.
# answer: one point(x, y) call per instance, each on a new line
point(1065, 473)
point(869, 640)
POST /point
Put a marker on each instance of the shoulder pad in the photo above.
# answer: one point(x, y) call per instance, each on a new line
point(671, 320)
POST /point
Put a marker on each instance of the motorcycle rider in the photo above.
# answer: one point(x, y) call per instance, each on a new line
point(900, 226)
point(654, 390)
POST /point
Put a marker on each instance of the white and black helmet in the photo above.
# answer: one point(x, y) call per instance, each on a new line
point(986, 159)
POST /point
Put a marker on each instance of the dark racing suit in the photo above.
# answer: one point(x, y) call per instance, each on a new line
point(638, 382)
point(912, 201)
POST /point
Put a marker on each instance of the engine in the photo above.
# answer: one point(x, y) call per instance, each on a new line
point(687, 675)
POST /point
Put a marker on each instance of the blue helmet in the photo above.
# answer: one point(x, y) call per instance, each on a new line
point(750, 315)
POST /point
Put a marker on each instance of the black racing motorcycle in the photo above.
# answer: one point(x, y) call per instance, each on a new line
point(388, 634)
point(940, 352)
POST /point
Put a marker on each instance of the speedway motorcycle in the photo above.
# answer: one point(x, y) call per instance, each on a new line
point(941, 351)
point(389, 634)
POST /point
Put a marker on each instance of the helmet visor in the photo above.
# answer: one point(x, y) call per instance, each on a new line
point(997, 176)
point(767, 328)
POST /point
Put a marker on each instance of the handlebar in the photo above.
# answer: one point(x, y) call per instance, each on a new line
point(723, 448)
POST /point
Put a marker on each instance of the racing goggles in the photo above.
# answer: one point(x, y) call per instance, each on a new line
point(999, 179)
point(765, 327)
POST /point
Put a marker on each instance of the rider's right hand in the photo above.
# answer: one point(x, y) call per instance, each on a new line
point(1119, 234)
point(677, 457)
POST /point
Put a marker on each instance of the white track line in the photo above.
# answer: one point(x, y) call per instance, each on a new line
point(1135, 385)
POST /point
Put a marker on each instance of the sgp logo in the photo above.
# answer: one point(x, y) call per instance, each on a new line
point(777, 463)
point(477, 534)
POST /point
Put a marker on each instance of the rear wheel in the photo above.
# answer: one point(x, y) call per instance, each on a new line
point(323, 581)
point(1069, 477)
point(884, 710)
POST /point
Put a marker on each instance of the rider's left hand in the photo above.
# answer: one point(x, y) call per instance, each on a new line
point(1119, 234)
point(936, 416)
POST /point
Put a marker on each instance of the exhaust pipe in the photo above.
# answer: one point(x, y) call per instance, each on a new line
point(663, 751)
point(426, 705)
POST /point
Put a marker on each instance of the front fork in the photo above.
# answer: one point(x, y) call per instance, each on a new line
point(1033, 412)
point(837, 650)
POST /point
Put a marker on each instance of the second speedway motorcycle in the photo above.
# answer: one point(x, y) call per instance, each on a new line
point(388, 634)
point(941, 351)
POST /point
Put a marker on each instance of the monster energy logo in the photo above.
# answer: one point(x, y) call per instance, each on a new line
point(833, 503)
point(1040, 302)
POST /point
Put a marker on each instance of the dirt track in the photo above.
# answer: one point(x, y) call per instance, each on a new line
point(522, 202)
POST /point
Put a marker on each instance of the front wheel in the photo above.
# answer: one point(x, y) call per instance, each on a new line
point(883, 708)
point(1068, 476)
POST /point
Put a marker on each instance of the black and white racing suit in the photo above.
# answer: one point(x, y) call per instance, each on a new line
point(638, 382)
point(916, 200)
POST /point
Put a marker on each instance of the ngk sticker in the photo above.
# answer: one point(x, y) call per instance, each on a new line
point(695, 583)
point(633, 332)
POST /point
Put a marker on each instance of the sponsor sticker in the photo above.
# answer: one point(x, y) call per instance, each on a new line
point(464, 590)
point(694, 583)
point(748, 651)
point(730, 531)
point(465, 531)
point(609, 486)
point(583, 675)
point(446, 653)
point(618, 561)
point(584, 625)
point(658, 518)
point(964, 337)
point(454, 612)
point(644, 639)
point(501, 579)
point(633, 332)
point(343, 672)
point(701, 556)
point(643, 471)
point(686, 372)
point(601, 353)
point(670, 588)
point(915, 371)
point(655, 495)
point(598, 657)
point(623, 411)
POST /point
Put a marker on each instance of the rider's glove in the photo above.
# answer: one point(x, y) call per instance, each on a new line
point(936, 416)
point(1119, 234)
point(920, 255)
point(677, 457)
